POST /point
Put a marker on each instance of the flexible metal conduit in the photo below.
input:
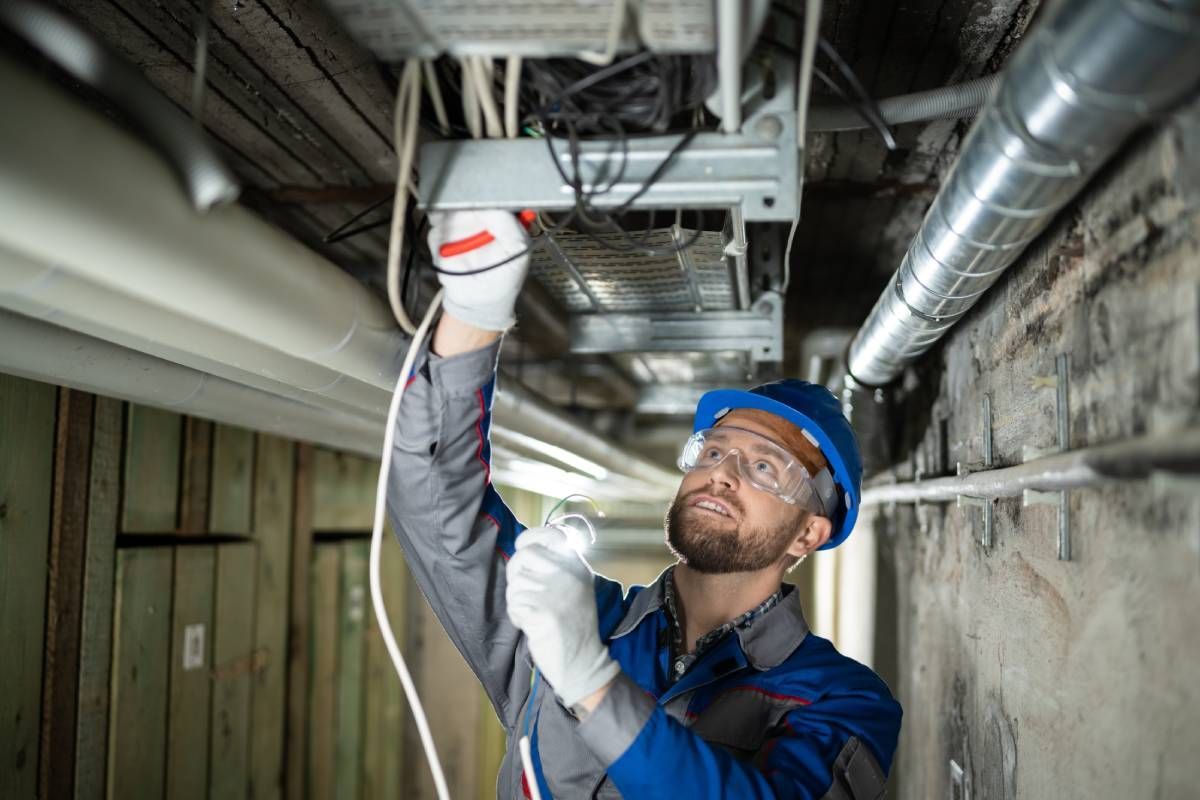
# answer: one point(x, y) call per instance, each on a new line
point(1073, 93)
point(96, 236)
point(946, 102)
point(208, 181)
point(1133, 459)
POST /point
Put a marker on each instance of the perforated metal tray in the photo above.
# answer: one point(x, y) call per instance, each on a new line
point(397, 29)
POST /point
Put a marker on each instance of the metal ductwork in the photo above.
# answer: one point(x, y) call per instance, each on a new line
point(1085, 80)
point(97, 238)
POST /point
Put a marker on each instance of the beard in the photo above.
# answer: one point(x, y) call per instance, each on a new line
point(707, 547)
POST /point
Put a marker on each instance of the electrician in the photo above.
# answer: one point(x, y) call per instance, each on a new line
point(705, 684)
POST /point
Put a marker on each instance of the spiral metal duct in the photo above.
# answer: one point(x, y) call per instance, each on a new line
point(1082, 83)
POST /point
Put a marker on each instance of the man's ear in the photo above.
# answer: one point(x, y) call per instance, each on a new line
point(816, 532)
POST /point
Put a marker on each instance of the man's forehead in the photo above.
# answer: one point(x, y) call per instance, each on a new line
point(778, 430)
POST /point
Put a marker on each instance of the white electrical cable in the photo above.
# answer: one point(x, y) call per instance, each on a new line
point(808, 55)
point(470, 105)
point(480, 68)
point(526, 751)
point(435, 95)
point(603, 59)
point(385, 628)
point(408, 108)
point(512, 88)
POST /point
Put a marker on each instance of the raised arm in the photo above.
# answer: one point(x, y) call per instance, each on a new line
point(456, 531)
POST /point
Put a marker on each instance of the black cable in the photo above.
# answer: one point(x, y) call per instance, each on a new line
point(869, 103)
point(866, 107)
point(340, 232)
point(413, 245)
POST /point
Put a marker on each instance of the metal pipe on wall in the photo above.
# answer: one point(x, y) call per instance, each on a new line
point(1080, 85)
point(1133, 459)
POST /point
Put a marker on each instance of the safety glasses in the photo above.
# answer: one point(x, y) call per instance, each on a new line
point(761, 462)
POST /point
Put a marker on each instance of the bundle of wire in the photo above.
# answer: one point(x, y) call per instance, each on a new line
point(644, 93)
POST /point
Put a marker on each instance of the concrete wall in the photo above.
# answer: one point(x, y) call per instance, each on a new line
point(1038, 677)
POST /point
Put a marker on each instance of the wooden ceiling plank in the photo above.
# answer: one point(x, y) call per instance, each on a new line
point(335, 80)
point(166, 62)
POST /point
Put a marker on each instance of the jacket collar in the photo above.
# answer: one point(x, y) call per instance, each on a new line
point(771, 639)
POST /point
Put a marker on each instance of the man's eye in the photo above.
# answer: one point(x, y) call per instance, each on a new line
point(712, 454)
point(764, 467)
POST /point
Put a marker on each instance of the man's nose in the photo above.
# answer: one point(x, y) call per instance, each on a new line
point(726, 470)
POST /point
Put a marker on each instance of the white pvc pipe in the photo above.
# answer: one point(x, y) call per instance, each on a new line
point(729, 63)
point(856, 595)
point(42, 351)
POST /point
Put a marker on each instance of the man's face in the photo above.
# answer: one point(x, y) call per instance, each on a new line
point(719, 523)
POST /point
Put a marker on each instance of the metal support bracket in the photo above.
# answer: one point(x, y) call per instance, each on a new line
point(1030, 497)
point(963, 469)
point(758, 331)
point(755, 171)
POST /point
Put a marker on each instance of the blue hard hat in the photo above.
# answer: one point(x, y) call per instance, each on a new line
point(812, 408)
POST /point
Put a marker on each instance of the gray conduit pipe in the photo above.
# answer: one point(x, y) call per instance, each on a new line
point(209, 183)
point(947, 102)
point(1132, 459)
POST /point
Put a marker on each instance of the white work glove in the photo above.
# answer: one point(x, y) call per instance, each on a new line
point(485, 300)
point(551, 598)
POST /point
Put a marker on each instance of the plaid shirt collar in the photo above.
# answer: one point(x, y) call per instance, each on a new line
point(682, 661)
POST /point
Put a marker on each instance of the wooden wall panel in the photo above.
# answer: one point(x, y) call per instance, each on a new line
point(68, 539)
point(95, 642)
point(27, 412)
point(153, 442)
point(234, 660)
point(273, 497)
point(385, 717)
point(352, 614)
point(322, 669)
point(232, 485)
point(141, 651)
point(196, 482)
point(188, 732)
point(298, 629)
point(344, 491)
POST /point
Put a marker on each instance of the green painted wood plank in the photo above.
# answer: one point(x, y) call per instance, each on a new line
point(232, 484)
point(352, 613)
point(343, 491)
point(383, 748)
point(95, 641)
point(27, 413)
point(191, 662)
point(299, 628)
point(492, 744)
point(141, 652)
point(234, 661)
point(195, 485)
point(273, 492)
point(153, 441)
point(68, 539)
point(322, 669)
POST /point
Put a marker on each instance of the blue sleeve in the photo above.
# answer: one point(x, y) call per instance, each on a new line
point(832, 748)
